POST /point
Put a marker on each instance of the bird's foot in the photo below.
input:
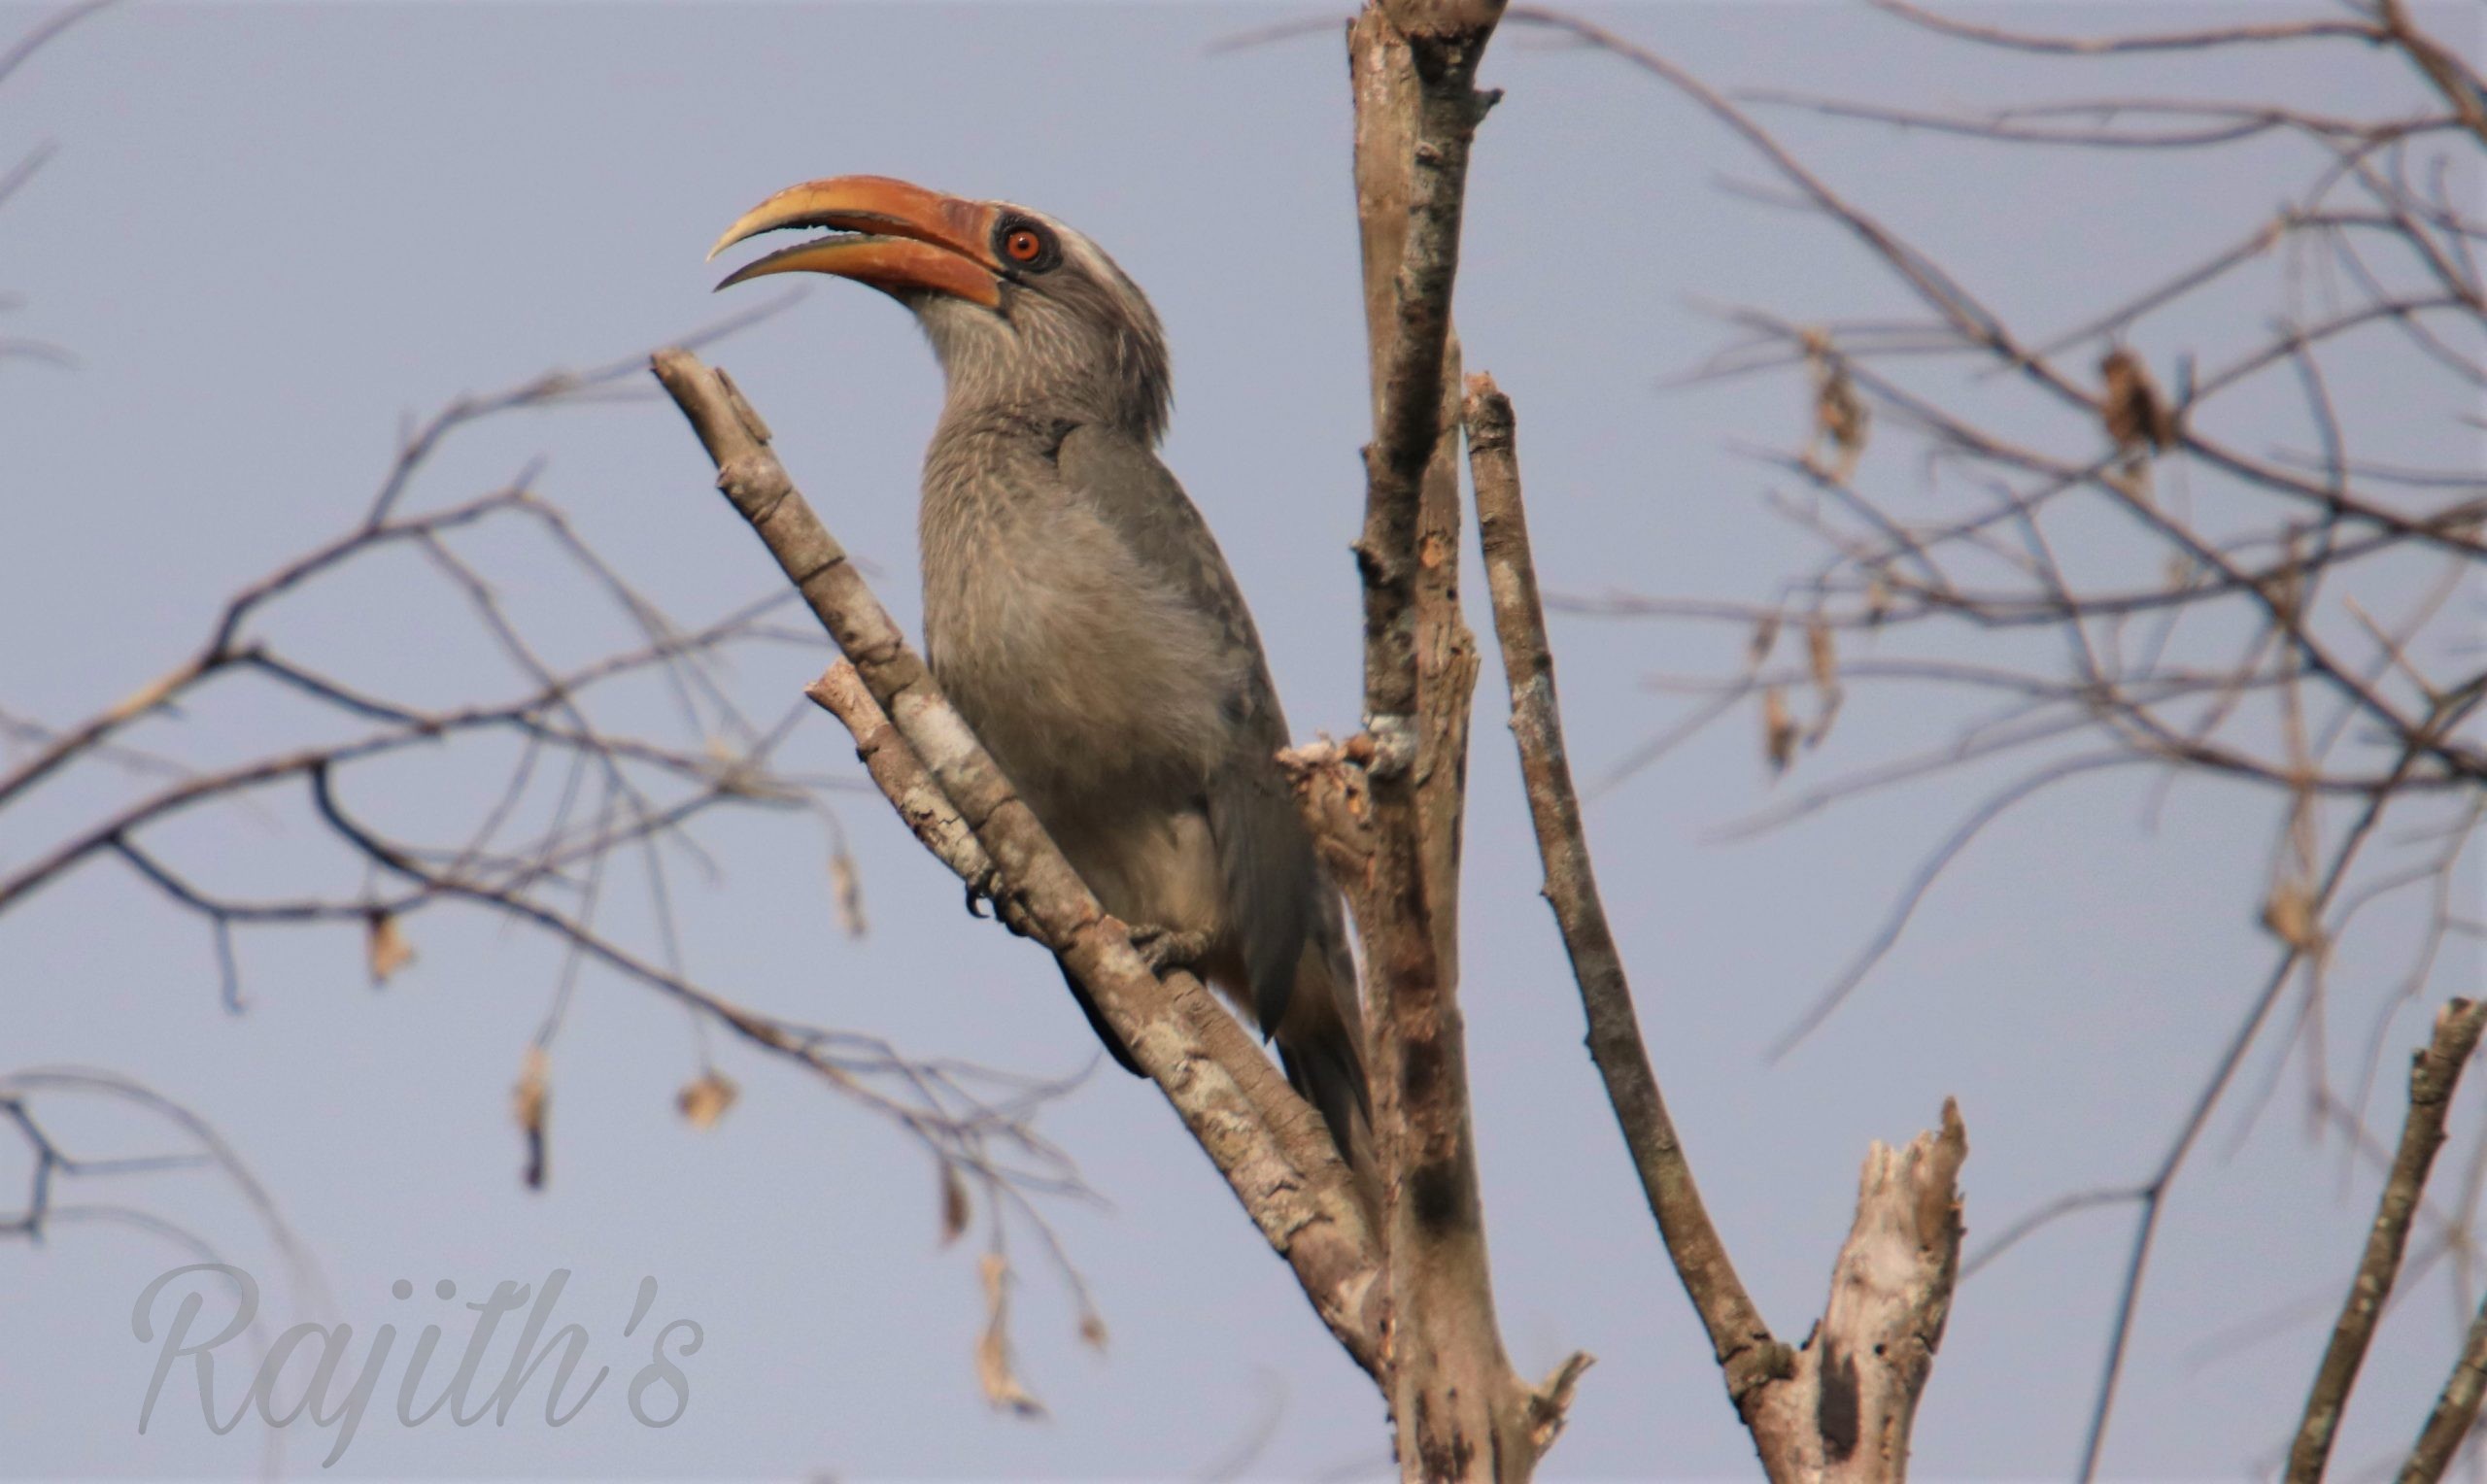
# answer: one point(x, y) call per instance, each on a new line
point(987, 891)
point(1164, 948)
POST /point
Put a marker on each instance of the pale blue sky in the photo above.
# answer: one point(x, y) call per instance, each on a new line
point(272, 230)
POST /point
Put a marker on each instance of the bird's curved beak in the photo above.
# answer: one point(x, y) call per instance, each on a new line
point(897, 237)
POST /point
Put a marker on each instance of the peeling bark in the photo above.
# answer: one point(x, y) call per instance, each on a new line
point(1842, 1414)
point(1458, 1409)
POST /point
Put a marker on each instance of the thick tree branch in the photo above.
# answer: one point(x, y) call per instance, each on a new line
point(1459, 1411)
point(1844, 1414)
point(2434, 1076)
point(1841, 1407)
point(1268, 1144)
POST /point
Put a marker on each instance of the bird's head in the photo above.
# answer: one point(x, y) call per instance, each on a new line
point(1025, 314)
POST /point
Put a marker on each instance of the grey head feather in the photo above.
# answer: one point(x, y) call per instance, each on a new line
point(1076, 340)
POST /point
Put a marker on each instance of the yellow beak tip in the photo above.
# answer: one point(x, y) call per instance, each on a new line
point(743, 230)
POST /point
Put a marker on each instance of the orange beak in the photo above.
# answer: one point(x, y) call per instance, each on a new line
point(899, 238)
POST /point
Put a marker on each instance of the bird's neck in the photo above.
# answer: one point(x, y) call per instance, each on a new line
point(1042, 375)
point(974, 439)
point(985, 407)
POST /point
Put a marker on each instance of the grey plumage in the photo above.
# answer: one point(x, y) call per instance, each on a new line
point(1080, 614)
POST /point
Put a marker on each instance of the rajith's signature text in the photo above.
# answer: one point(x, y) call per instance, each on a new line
point(336, 1393)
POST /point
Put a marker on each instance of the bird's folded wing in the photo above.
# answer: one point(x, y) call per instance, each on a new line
point(1274, 882)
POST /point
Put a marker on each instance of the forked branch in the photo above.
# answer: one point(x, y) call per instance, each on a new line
point(1842, 1406)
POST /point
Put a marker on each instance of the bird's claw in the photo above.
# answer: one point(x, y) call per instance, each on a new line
point(987, 892)
point(1163, 948)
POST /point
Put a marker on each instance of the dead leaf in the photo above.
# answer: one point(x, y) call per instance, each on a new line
point(1823, 662)
point(846, 885)
point(1777, 731)
point(2284, 587)
point(385, 946)
point(726, 767)
point(2293, 913)
point(1840, 415)
point(2290, 916)
point(954, 1203)
point(1878, 599)
point(1765, 635)
point(703, 1101)
point(1092, 1329)
point(993, 1371)
point(1819, 656)
point(530, 1101)
point(2136, 416)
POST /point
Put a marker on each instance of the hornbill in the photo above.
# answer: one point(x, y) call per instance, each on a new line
point(1079, 614)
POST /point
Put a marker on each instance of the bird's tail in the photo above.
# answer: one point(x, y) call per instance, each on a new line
point(1321, 1041)
point(1321, 1045)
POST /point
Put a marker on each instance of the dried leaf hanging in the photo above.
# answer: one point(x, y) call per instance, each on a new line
point(2137, 416)
point(1777, 731)
point(531, 1103)
point(1765, 635)
point(703, 1101)
point(954, 1203)
point(1823, 659)
point(846, 885)
point(1840, 417)
point(2289, 914)
point(993, 1370)
point(384, 945)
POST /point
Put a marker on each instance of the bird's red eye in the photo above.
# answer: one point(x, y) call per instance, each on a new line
point(1024, 244)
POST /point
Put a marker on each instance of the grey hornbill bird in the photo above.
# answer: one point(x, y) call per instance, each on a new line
point(1079, 614)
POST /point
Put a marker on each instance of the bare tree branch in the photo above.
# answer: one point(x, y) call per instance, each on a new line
point(1739, 1338)
point(45, 32)
point(2162, 41)
point(1840, 1406)
point(2456, 1409)
point(1459, 1411)
point(1847, 1411)
point(2434, 1074)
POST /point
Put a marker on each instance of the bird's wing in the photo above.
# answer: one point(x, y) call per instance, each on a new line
point(1272, 882)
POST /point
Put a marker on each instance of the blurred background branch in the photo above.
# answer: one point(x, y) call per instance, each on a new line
point(2083, 538)
point(575, 768)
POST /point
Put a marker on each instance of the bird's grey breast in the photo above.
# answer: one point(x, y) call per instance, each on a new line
point(1079, 655)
